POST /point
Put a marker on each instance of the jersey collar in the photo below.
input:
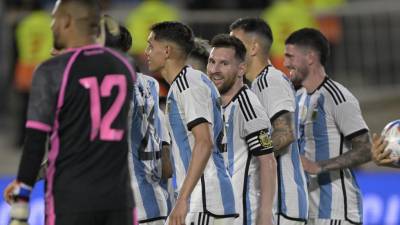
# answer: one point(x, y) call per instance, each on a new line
point(181, 73)
point(242, 89)
point(264, 71)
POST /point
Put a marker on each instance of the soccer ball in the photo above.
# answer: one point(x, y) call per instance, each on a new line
point(391, 134)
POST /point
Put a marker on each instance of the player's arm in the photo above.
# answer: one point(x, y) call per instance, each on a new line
point(379, 155)
point(359, 154)
point(166, 162)
point(349, 120)
point(278, 101)
point(201, 152)
point(283, 131)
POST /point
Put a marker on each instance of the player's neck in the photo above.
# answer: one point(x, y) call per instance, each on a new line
point(255, 66)
point(315, 78)
point(81, 41)
point(172, 69)
point(231, 93)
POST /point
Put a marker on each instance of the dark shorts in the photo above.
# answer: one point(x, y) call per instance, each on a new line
point(114, 217)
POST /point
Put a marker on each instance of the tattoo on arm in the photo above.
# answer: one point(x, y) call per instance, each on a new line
point(282, 133)
point(359, 154)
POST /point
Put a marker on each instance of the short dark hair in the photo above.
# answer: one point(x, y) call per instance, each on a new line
point(226, 41)
point(311, 38)
point(176, 32)
point(254, 25)
point(201, 50)
point(115, 35)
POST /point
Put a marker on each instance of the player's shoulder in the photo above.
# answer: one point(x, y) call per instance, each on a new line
point(190, 79)
point(336, 93)
point(55, 65)
point(247, 101)
point(271, 76)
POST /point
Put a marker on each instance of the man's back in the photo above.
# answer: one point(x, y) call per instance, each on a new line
point(83, 97)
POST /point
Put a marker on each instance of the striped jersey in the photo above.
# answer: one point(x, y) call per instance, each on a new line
point(330, 118)
point(277, 96)
point(193, 99)
point(147, 137)
point(248, 136)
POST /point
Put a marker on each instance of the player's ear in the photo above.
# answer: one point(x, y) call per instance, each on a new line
point(66, 21)
point(242, 69)
point(254, 47)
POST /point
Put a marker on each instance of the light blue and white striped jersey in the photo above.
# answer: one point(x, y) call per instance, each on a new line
point(193, 99)
point(330, 118)
point(147, 137)
point(248, 136)
point(277, 95)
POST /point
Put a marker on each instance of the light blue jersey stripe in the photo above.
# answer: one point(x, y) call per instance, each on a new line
point(282, 187)
point(222, 173)
point(322, 153)
point(301, 193)
point(146, 190)
point(230, 144)
point(179, 133)
point(359, 197)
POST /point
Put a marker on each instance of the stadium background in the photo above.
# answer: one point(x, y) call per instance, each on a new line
point(365, 38)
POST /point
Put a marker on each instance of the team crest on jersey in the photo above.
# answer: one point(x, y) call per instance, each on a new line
point(264, 139)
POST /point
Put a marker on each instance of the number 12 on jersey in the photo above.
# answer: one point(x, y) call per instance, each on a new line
point(100, 124)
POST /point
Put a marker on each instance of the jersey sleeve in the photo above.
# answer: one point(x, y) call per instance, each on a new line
point(277, 97)
point(348, 118)
point(255, 126)
point(196, 103)
point(42, 100)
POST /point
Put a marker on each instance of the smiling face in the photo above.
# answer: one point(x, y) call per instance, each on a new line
point(296, 61)
point(155, 53)
point(224, 69)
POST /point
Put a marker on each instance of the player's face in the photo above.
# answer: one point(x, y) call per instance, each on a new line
point(155, 53)
point(223, 68)
point(296, 62)
point(56, 27)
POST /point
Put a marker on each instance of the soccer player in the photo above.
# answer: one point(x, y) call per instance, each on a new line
point(196, 127)
point(276, 95)
point(335, 135)
point(198, 57)
point(81, 100)
point(149, 160)
point(251, 161)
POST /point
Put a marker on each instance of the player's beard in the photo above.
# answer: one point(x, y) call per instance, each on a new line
point(229, 81)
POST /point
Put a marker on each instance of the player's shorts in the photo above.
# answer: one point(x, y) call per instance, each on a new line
point(200, 218)
point(282, 220)
point(329, 222)
point(114, 217)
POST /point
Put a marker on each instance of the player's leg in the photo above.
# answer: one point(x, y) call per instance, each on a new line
point(120, 217)
point(84, 218)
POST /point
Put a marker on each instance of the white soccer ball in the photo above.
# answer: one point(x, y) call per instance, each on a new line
point(391, 134)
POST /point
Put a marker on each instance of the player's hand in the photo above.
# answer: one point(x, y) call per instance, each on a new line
point(17, 195)
point(8, 192)
point(178, 214)
point(379, 155)
point(310, 166)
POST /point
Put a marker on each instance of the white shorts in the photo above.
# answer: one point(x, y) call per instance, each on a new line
point(328, 222)
point(200, 218)
point(281, 220)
